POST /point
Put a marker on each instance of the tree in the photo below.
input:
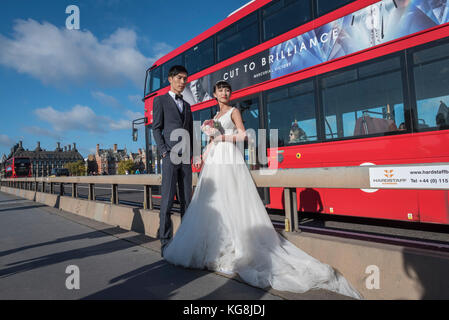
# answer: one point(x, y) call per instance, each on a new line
point(126, 165)
point(76, 168)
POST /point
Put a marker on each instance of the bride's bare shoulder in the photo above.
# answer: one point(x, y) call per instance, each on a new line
point(235, 113)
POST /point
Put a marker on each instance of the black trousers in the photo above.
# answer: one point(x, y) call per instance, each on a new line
point(172, 175)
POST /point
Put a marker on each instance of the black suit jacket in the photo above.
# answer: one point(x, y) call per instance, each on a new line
point(166, 119)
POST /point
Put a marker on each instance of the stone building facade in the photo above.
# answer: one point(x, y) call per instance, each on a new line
point(139, 160)
point(105, 161)
point(43, 161)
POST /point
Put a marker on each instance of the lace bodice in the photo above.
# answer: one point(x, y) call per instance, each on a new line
point(226, 121)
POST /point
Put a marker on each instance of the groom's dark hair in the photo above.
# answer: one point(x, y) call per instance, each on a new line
point(175, 70)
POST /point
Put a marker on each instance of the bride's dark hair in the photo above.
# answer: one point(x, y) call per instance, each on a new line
point(222, 84)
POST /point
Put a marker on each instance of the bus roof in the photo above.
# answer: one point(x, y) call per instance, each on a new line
point(233, 17)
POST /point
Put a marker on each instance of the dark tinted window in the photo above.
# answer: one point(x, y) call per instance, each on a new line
point(238, 37)
point(291, 110)
point(200, 56)
point(363, 101)
point(283, 15)
point(432, 87)
point(166, 68)
point(249, 109)
point(201, 116)
point(325, 6)
point(148, 83)
point(155, 79)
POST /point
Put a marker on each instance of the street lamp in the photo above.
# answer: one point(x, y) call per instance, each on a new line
point(135, 131)
point(147, 137)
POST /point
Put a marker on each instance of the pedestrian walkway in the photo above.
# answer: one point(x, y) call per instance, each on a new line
point(38, 244)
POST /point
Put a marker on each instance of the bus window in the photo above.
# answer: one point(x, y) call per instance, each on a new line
point(239, 37)
point(200, 56)
point(249, 109)
point(283, 15)
point(201, 116)
point(291, 110)
point(363, 101)
point(156, 79)
point(432, 87)
point(147, 83)
point(167, 66)
point(325, 6)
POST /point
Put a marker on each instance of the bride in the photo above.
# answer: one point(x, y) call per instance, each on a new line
point(226, 227)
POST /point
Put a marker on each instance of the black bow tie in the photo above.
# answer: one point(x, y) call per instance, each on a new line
point(178, 96)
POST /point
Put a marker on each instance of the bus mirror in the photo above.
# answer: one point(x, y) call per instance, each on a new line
point(135, 134)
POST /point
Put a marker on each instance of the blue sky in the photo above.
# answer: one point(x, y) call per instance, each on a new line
point(85, 86)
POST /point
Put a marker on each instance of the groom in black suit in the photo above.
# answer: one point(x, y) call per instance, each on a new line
point(172, 117)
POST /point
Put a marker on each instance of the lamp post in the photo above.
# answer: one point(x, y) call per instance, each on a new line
point(135, 137)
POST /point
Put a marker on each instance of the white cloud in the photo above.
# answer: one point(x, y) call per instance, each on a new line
point(80, 118)
point(106, 99)
point(136, 99)
point(6, 141)
point(160, 49)
point(120, 125)
point(58, 55)
point(133, 115)
point(37, 131)
point(83, 118)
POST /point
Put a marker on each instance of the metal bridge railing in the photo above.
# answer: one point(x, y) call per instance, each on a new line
point(361, 177)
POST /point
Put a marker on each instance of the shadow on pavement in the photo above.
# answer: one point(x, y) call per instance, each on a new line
point(69, 255)
point(89, 235)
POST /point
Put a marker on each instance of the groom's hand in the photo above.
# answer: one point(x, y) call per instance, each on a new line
point(197, 162)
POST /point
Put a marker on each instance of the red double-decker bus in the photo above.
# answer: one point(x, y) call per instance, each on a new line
point(345, 83)
point(18, 167)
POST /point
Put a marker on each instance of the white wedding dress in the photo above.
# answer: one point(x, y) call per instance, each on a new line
point(226, 228)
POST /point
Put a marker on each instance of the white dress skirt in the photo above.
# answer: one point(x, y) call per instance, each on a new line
point(226, 228)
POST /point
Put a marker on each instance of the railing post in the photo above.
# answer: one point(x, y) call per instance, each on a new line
point(295, 210)
point(43, 186)
point(91, 192)
point(61, 189)
point(291, 210)
point(52, 187)
point(287, 209)
point(74, 191)
point(114, 194)
point(147, 198)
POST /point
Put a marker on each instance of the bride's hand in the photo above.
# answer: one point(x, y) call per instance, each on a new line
point(219, 138)
point(197, 162)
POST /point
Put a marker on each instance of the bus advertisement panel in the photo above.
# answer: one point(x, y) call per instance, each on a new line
point(374, 25)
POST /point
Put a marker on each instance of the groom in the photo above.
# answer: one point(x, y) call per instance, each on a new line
point(171, 114)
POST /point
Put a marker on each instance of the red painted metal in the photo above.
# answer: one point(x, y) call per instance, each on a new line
point(406, 205)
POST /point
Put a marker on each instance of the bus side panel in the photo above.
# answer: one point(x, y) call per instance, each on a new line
point(382, 204)
point(410, 205)
point(434, 206)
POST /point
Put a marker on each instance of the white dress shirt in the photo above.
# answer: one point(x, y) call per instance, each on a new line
point(179, 103)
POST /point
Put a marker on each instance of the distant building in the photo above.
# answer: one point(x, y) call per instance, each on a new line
point(105, 161)
point(92, 166)
point(108, 159)
point(139, 160)
point(43, 161)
